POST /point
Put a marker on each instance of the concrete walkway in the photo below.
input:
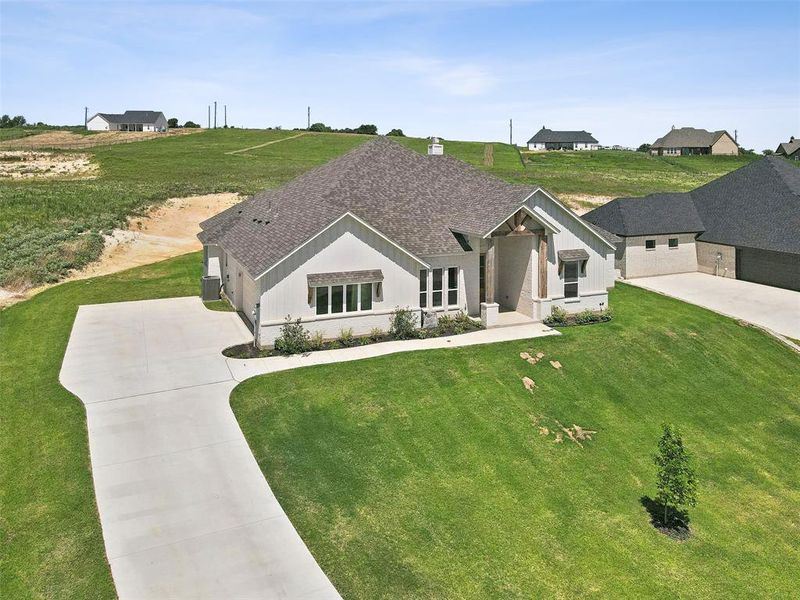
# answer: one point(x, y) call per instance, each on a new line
point(185, 509)
point(773, 308)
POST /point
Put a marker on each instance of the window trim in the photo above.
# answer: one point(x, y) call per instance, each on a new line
point(441, 289)
point(359, 304)
point(452, 289)
point(649, 249)
point(569, 282)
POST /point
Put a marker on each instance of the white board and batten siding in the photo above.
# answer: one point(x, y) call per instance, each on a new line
point(346, 246)
point(598, 275)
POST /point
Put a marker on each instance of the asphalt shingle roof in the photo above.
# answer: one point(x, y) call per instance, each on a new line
point(414, 199)
point(545, 135)
point(789, 148)
point(132, 116)
point(756, 206)
point(689, 137)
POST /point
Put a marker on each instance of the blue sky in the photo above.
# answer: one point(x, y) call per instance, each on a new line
point(626, 71)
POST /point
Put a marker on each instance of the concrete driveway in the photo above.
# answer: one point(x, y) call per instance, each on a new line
point(774, 308)
point(185, 509)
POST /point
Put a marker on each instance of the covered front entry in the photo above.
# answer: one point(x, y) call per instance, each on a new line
point(514, 269)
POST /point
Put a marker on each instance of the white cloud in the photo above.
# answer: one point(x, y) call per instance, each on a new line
point(450, 77)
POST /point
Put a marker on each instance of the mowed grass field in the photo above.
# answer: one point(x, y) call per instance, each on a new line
point(50, 227)
point(426, 475)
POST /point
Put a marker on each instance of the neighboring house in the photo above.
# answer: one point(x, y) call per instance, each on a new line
point(383, 227)
point(130, 120)
point(547, 139)
point(790, 149)
point(688, 140)
point(744, 225)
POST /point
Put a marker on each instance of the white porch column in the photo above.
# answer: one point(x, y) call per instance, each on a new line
point(490, 309)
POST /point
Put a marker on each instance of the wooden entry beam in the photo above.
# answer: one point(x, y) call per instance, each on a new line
point(491, 270)
point(542, 265)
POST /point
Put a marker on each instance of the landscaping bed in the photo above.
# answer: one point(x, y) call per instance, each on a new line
point(295, 339)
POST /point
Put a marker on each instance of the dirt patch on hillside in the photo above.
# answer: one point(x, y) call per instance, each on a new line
point(22, 164)
point(583, 203)
point(168, 230)
point(67, 140)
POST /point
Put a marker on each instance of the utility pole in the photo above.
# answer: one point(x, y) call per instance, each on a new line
point(215, 114)
point(225, 108)
point(309, 118)
point(86, 117)
point(510, 132)
point(209, 116)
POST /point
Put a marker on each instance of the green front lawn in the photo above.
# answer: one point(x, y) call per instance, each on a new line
point(52, 542)
point(425, 474)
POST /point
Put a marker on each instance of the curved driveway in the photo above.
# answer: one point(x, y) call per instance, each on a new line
point(185, 509)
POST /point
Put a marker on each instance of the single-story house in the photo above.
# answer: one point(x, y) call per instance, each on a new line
point(790, 149)
point(744, 225)
point(382, 227)
point(547, 139)
point(688, 140)
point(130, 120)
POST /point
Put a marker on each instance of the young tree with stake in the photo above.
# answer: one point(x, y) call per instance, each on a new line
point(676, 480)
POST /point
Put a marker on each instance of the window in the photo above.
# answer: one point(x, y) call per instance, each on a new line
point(437, 287)
point(452, 286)
point(571, 279)
point(352, 297)
point(673, 243)
point(423, 288)
point(649, 244)
point(337, 298)
point(366, 296)
point(322, 300)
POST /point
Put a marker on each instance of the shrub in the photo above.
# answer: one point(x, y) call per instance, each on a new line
point(462, 323)
point(316, 342)
point(376, 334)
point(402, 324)
point(294, 338)
point(397, 132)
point(558, 316)
point(346, 337)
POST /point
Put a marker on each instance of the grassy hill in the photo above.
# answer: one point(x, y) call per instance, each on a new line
point(49, 227)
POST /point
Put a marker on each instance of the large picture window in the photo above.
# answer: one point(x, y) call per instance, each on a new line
point(452, 286)
point(571, 270)
point(352, 297)
point(423, 288)
point(437, 287)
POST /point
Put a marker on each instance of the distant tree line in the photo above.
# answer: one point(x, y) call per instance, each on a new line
point(364, 129)
point(173, 124)
point(6, 121)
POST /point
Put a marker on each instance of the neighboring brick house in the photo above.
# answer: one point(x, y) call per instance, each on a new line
point(790, 149)
point(743, 225)
point(683, 141)
point(547, 139)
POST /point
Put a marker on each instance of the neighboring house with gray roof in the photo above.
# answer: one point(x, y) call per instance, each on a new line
point(383, 226)
point(130, 120)
point(547, 139)
point(790, 149)
point(743, 225)
point(684, 141)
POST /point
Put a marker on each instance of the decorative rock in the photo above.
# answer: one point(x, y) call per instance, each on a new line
point(430, 319)
point(528, 383)
point(524, 356)
point(556, 364)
